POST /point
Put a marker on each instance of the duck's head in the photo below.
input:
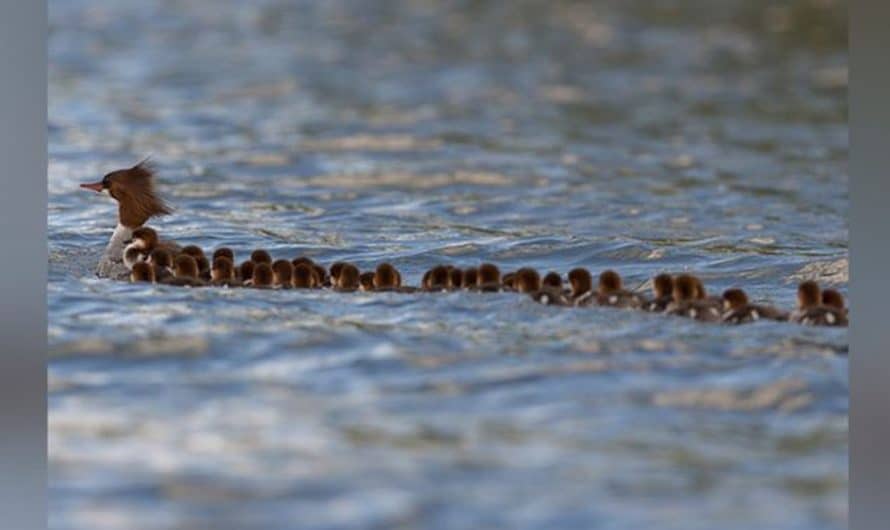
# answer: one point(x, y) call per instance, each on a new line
point(349, 277)
point(552, 280)
point(580, 280)
point(263, 275)
point(335, 269)
point(366, 281)
point(142, 272)
point(185, 266)
point(304, 276)
point(469, 277)
point(808, 294)
point(527, 280)
point(225, 252)
point(261, 256)
point(144, 237)
point(489, 274)
point(684, 288)
point(456, 277)
point(385, 276)
point(609, 282)
point(282, 273)
point(440, 278)
point(161, 257)
point(833, 298)
point(133, 189)
point(245, 270)
point(509, 280)
point(662, 285)
point(223, 269)
point(734, 298)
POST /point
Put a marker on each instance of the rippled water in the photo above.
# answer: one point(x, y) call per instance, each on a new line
point(703, 135)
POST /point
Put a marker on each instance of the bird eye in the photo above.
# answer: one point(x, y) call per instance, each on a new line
point(106, 182)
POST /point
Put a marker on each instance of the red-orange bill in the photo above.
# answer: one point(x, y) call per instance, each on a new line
point(95, 186)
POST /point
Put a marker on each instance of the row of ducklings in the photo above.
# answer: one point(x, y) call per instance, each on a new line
point(682, 295)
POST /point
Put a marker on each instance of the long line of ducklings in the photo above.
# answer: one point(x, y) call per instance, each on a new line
point(681, 295)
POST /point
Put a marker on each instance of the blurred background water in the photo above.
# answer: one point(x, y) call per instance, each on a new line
point(644, 136)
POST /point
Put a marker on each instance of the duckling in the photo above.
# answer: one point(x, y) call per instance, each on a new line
point(142, 272)
point(245, 272)
point(737, 309)
point(366, 281)
point(552, 280)
point(304, 276)
point(488, 279)
point(140, 246)
point(185, 270)
point(263, 276)
point(335, 269)
point(161, 261)
point(192, 250)
point(833, 298)
point(385, 278)
point(469, 277)
point(225, 252)
point(686, 304)
point(261, 256)
point(203, 268)
point(810, 310)
point(508, 281)
point(348, 279)
point(663, 293)
point(439, 279)
point(282, 274)
point(425, 281)
point(319, 277)
point(527, 280)
point(611, 292)
point(222, 272)
point(581, 283)
point(456, 277)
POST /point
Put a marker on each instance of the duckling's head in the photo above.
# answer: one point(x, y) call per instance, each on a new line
point(336, 267)
point(302, 259)
point(223, 269)
point(469, 277)
point(425, 281)
point(225, 252)
point(610, 281)
point(245, 270)
point(440, 278)
point(663, 285)
point(456, 276)
point(580, 280)
point(734, 298)
point(489, 274)
point(145, 237)
point(509, 280)
point(385, 276)
point(552, 280)
point(808, 294)
point(527, 280)
point(263, 275)
point(282, 273)
point(203, 266)
point(304, 276)
point(684, 288)
point(133, 189)
point(833, 298)
point(318, 274)
point(261, 256)
point(142, 272)
point(349, 277)
point(192, 250)
point(366, 281)
point(185, 266)
point(161, 257)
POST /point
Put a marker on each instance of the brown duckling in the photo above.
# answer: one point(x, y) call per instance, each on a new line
point(348, 278)
point(488, 279)
point(508, 281)
point(245, 272)
point(142, 272)
point(386, 277)
point(335, 269)
point(304, 277)
point(263, 276)
point(224, 252)
point(261, 256)
point(366, 281)
point(192, 250)
point(185, 272)
point(738, 310)
point(662, 293)
point(161, 261)
point(810, 309)
point(527, 280)
point(439, 279)
point(833, 298)
point(282, 274)
point(222, 272)
point(686, 303)
point(552, 280)
point(581, 283)
point(140, 245)
point(611, 292)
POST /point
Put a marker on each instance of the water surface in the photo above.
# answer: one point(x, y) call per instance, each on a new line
point(703, 136)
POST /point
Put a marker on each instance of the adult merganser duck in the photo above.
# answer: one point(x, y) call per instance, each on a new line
point(737, 309)
point(663, 293)
point(133, 189)
point(811, 311)
point(142, 272)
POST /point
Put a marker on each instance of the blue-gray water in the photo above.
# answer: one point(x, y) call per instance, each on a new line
point(708, 136)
